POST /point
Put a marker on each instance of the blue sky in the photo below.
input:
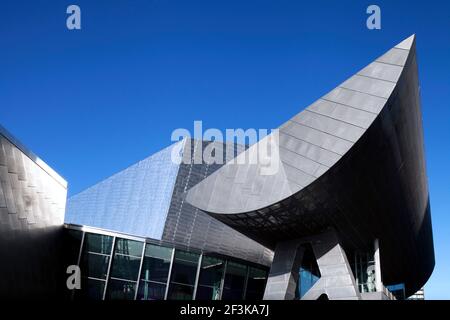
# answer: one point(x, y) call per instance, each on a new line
point(94, 101)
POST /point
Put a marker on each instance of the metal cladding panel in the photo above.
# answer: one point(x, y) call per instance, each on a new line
point(189, 226)
point(32, 204)
point(372, 179)
point(133, 201)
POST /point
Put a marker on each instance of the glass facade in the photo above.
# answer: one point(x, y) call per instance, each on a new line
point(117, 267)
point(256, 284)
point(210, 280)
point(155, 272)
point(235, 281)
point(120, 201)
point(398, 290)
point(184, 274)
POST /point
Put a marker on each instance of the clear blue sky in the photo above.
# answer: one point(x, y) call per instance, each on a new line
point(94, 101)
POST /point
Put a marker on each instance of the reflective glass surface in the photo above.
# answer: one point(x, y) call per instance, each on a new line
point(97, 243)
point(158, 252)
point(72, 243)
point(234, 281)
point(120, 290)
point(211, 273)
point(364, 270)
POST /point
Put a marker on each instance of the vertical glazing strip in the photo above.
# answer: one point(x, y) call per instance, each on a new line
point(197, 275)
point(140, 270)
point(170, 273)
point(222, 282)
point(109, 267)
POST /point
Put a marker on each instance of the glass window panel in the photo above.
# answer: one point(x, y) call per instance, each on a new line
point(211, 273)
point(120, 290)
point(180, 292)
point(234, 281)
point(256, 284)
point(94, 265)
point(125, 267)
point(98, 243)
point(158, 252)
point(151, 291)
point(129, 247)
point(364, 269)
point(91, 289)
point(184, 267)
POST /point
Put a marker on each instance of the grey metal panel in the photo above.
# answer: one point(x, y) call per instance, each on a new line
point(377, 188)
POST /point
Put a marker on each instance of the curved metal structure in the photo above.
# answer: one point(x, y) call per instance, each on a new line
point(353, 161)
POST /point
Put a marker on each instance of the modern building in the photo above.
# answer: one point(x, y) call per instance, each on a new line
point(32, 204)
point(344, 215)
point(419, 295)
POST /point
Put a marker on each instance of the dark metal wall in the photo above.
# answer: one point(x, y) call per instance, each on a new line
point(377, 189)
point(32, 203)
